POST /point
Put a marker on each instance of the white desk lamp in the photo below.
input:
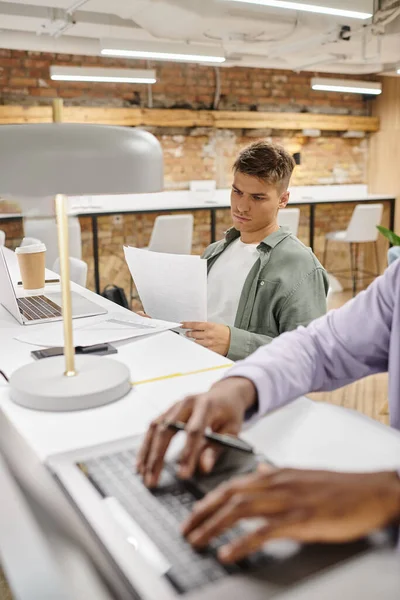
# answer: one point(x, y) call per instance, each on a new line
point(63, 159)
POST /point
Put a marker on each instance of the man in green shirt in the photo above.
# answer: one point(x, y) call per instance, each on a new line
point(262, 281)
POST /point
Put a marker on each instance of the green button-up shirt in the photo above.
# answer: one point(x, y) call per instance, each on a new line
point(285, 288)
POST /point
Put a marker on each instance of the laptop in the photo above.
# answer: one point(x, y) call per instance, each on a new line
point(94, 499)
point(43, 308)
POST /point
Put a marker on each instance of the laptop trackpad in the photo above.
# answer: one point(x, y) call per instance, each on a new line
point(81, 306)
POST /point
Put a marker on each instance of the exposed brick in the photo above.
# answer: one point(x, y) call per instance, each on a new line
point(43, 92)
point(22, 82)
point(188, 85)
point(10, 62)
point(32, 63)
point(19, 53)
point(63, 57)
point(19, 72)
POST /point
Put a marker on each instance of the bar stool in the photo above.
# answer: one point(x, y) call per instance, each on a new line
point(77, 270)
point(361, 229)
point(289, 217)
point(2, 237)
point(172, 234)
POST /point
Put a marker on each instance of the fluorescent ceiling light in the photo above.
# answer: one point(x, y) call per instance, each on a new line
point(173, 52)
point(103, 75)
point(354, 134)
point(348, 86)
point(322, 10)
point(314, 133)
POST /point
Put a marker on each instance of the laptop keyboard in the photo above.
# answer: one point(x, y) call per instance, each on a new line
point(34, 308)
point(160, 513)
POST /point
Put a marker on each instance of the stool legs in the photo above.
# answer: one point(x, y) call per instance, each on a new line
point(325, 253)
point(378, 271)
point(353, 268)
point(354, 248)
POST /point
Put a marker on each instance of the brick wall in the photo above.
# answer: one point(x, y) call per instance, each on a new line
point(25, 79)
point(198, 153)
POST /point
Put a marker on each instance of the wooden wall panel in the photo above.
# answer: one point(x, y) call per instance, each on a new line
point(384, 158)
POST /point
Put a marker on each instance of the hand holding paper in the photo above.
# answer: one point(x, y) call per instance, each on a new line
point(172, 287)
point(213, 336)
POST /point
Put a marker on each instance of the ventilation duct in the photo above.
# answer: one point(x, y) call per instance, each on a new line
point(387, 13)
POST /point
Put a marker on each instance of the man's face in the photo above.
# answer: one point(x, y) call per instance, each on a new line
point(255, 203)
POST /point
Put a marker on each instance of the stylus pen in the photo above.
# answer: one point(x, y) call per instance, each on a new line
point(229, 441)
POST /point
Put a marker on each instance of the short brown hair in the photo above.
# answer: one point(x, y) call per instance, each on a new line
point(266, 161)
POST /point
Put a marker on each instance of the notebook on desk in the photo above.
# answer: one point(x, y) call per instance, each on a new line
point(42, 308)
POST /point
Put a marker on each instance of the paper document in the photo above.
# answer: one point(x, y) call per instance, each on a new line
point(171, 286)
point(112, 327)
point(308, 435)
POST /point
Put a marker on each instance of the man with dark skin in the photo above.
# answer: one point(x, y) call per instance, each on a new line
point(358, 340)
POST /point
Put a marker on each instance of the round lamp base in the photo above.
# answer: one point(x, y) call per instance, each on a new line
point(43, 386)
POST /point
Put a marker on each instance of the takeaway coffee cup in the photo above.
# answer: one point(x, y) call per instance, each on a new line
point(31, 261)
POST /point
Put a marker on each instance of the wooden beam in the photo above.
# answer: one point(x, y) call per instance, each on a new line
point(177, 118)
point(256, 120)
point(130, 117)
point(190, 118)
point(25, 114)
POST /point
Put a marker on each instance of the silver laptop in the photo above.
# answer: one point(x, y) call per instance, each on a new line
point(95, 500)
point(40, 308)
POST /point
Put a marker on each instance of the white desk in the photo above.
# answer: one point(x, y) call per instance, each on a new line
point(184, 200)
point(303, 434)
point(174, 201)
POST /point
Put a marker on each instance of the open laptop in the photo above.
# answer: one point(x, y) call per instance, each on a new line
point(95, 500)
point(43, 308)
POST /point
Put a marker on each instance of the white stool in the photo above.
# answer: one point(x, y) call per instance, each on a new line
point(203, 189)
point(2, 237)
point(77, 270)
point(172, 234)
point(362, 229)
point(289, 217)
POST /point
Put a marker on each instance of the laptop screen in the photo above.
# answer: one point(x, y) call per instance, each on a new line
point(7, 293)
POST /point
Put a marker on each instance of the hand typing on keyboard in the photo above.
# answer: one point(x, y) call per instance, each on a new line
point(307, 506)
point(222, 409)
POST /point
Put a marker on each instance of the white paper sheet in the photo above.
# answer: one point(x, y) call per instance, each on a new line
point(112, 327)
point(172, 287)
point(310, 435)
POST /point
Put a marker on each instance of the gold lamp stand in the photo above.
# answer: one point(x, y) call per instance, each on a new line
point(63, 246)
point(69, 382)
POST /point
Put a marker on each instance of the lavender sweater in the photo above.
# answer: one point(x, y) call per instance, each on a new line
point(359, 339)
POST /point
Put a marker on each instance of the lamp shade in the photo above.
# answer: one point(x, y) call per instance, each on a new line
point(45, 159)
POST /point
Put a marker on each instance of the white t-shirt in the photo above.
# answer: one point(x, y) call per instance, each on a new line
point(226, 280)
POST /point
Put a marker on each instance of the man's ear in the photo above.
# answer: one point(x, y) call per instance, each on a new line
point(284, 199)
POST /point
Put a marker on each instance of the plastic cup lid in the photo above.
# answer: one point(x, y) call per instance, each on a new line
point(32, 249)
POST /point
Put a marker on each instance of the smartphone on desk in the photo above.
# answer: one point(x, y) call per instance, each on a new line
point(98, 349)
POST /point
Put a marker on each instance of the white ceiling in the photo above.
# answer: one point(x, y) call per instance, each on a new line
point(250, 35)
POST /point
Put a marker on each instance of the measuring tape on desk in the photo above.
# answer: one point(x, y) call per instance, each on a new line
point(185, 374)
